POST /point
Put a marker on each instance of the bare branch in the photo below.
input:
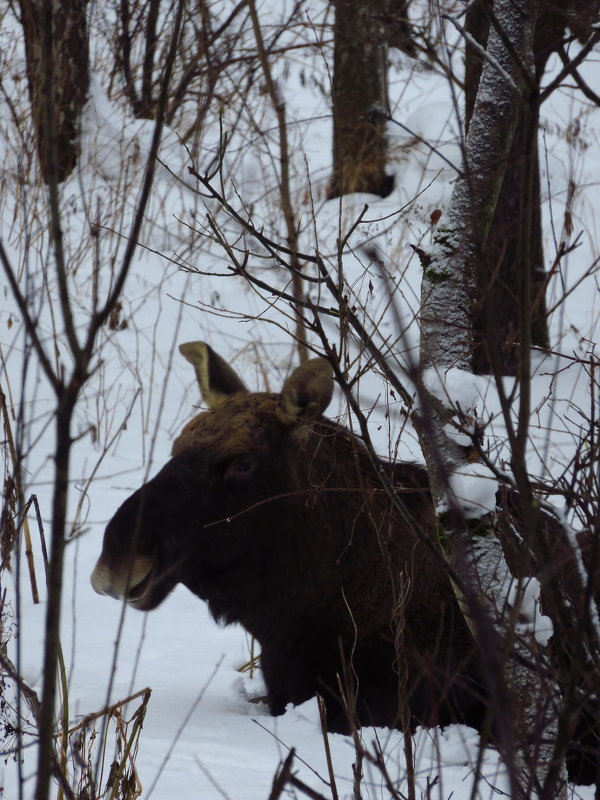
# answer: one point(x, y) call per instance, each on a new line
point(572, 65)
point(29, 323)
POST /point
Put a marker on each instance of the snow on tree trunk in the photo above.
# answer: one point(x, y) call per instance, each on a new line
point(522, 703)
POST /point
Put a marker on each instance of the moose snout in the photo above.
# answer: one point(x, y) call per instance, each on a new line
point(120, 583)
point(101, 581)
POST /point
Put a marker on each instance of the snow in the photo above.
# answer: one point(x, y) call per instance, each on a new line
point(475, 489)
point(526, 596)
point(458, 387)
point(204, 735)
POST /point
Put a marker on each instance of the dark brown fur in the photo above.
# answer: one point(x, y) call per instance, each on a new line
point(276, 518)
point(299, 554)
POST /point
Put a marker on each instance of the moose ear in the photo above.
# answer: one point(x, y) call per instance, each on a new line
point(307, 392)
point(216, 378)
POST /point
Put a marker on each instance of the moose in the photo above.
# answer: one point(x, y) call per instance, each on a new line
point(276, 517)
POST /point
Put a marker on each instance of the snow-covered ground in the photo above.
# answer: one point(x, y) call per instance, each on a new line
point(203, 736)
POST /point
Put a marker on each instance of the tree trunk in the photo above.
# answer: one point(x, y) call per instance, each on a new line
point(397, 30)
point(513, 251)
point(360, 102)
point(47, 722)
point(521, 703)
point(56, 49)
point(511, 255)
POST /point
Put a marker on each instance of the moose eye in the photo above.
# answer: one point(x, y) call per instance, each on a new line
point(241, 469)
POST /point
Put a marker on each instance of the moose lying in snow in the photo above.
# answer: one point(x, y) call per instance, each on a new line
point(276, 517)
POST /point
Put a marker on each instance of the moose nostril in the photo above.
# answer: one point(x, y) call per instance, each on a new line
point(110, 592)
point(101, 583)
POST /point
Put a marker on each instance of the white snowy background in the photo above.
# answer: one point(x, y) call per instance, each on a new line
point(202, 738)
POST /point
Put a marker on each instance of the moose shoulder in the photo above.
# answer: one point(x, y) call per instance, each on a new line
point(275, 517)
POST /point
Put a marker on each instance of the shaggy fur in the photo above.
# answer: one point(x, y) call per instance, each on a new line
point(276, 518)
point(303, 553)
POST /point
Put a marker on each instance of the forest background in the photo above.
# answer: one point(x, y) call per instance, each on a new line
point(273, 179)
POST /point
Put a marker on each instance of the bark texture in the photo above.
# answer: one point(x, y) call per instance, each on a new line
point(449, 287)
point(514, 251)
point(397, 30)
point(56, 49)
point(360, 102)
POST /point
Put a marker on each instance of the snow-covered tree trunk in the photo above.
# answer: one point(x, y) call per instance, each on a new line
point(521, 701)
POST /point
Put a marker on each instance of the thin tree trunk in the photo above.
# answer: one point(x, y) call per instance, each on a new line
point(285, 193)
point(66, 388)
point(47, 727)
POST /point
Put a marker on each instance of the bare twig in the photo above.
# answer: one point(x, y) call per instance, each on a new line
point(284, 185)
point(24, 523)
point(571, 65)
point(325, 735)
